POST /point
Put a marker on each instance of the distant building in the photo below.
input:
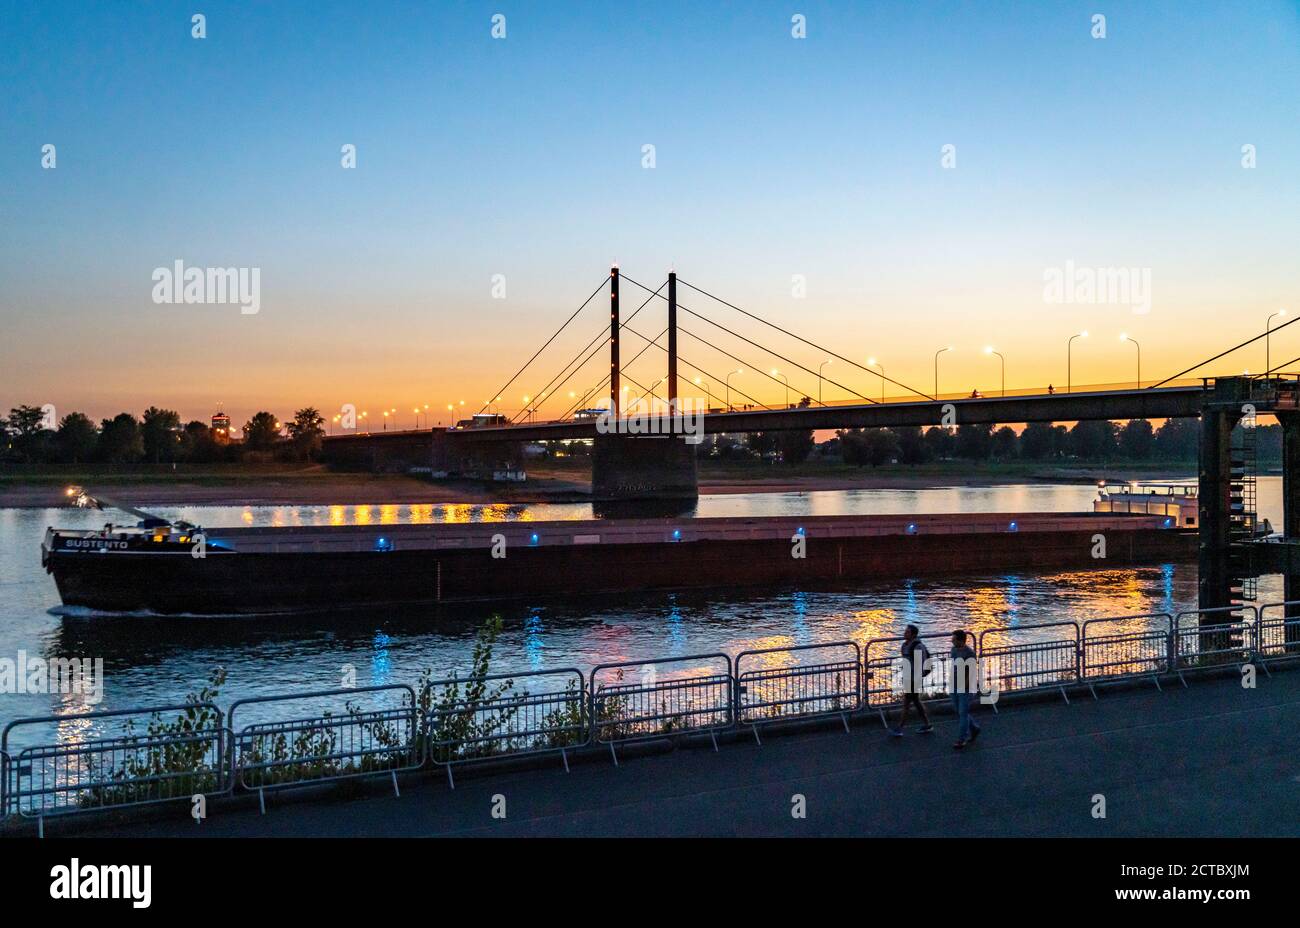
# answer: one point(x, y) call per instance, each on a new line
point(221, 427)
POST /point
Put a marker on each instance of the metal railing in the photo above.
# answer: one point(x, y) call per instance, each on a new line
point(1048, 662)
point(498, 716)
point(120, 766)
point(112, 763)
point(1227, 638)
point(653, 709)
point(1278, 637)
point(361, 741)
point(808, 681)
point(1123, 646)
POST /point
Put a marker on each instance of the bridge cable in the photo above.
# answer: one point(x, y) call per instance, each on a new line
point(713, 378)
point(813, 344)
point(604, 380)
point(764, 349)
point(502, 391)
point(601, 335)
point(1265, 334)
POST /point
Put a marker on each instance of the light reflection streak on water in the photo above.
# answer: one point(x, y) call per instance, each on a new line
point(533, 645)
point(381, 665)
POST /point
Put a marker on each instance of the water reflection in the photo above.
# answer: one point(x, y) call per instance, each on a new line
point(159, 660)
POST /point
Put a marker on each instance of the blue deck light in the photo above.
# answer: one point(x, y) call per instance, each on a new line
point(911, 528)
point(1013, 527)
point(677, 534)
point(534, 538)
point(383, 544)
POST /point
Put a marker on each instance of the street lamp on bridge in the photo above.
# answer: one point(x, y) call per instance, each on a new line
point(1128, 338)
point(936, 369)
point(739, 370)
point(786, 380)
point(1268, 328)
point(820, 380)
point(872, 362)
point(1069, 357)
point(701, 382)
point(650, 392)
point(988, 349)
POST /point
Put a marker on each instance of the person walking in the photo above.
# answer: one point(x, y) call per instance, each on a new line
point(916, 660)
point(963, 685)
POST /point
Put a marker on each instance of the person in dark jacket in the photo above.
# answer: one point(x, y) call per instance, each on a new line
point(964, 686)
point(916, 659)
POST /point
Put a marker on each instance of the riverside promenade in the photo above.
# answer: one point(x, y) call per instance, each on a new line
point(1214, 759)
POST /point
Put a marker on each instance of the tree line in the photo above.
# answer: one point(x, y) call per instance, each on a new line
point(156, 437)
point(1176, 440)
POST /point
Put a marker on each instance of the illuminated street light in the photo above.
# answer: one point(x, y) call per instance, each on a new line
point(1268, 330)
point(739, 370)
point(936, 369)
point(1129, 338)
point(786, 380)
point(988, 349)
point(872, 362)
point(1069, 346)
point(819, 380)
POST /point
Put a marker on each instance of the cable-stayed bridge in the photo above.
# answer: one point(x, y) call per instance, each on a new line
point(645, 432)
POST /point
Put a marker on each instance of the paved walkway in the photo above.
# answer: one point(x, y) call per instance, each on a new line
point(1213, 759)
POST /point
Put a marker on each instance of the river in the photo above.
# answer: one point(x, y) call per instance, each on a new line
point(160, 660)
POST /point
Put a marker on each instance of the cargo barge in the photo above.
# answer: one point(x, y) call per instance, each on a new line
point(175, 568)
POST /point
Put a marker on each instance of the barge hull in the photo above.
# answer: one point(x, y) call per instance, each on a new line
point(286, 581)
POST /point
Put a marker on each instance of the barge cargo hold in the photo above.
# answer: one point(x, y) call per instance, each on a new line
point(184, 569)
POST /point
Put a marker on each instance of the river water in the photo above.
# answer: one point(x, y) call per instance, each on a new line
point(160, 660)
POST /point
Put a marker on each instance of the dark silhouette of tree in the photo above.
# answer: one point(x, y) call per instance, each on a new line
point(1093, 440)
point(197, 444)
point(868, 446)
point(1041, 440)
point(1137, 440)
point(77, 438)
point(940, 441)
point(1178, 440)
point(29, 440)
point(306, 430)
point(1005, 445)
point(1268, 445)
point(794, 446)
point(912, 448)
point(974, 442)
point(262, 432)
point(120, 441)
point(159, 429)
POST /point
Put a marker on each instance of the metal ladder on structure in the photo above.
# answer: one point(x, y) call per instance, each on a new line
point(1243, 510)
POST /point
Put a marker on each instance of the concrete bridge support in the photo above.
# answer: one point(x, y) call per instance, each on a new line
point(1290, 422)
point(1214, 517)
point(644, 468)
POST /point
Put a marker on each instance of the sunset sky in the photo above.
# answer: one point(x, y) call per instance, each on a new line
point(523, 156)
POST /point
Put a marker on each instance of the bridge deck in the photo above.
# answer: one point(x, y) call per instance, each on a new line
point(1147, 403)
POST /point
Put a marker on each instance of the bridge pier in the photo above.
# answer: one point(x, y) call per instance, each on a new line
point(1214, 516)
point(643, 469)
point(1290, 422)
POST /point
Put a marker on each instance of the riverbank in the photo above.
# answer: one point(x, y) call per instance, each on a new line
point(548, 482)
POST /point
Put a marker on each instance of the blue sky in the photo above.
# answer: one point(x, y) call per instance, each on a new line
point(522, 157)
